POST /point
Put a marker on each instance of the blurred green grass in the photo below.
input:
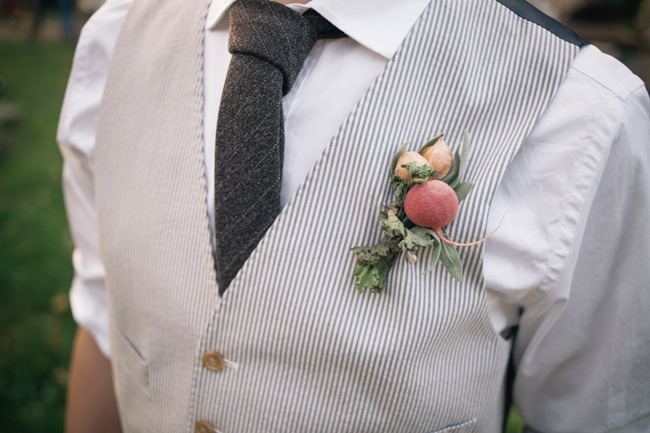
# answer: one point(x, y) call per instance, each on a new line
point(36, 328)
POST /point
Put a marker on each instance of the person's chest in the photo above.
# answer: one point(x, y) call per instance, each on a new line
point(294, 299)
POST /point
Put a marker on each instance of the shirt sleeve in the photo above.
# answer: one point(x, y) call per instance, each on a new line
point(582, 353)
point(76, 139)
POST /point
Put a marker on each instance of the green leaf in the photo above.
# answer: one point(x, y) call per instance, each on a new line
point(391, 225)
point(431, 232)
point(425, 232)
point(431, 142)
point(464, 155)
point(408, 243)
point(450, 259)
point(393, 161)
point(361, 272)
point(400, 187)
point(425, 171)
point(371, 255)
point(418, 173)
point(412, 168)
point(435, 255)
point(416, 238)
point(373, 276)
point(452, 176)
point(462, 190)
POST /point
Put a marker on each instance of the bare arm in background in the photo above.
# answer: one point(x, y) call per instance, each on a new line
point(91, 405)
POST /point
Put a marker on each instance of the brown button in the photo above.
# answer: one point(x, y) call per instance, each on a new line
point(212, 360)
point(203, 427)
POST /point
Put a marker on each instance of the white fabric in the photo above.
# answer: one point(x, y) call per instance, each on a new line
point(566, 234)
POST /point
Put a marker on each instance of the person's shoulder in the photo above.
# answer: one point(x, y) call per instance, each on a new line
point(603, 73)
point(527, 11)
point(88, 76)
point(97, 42)
point(107, 19)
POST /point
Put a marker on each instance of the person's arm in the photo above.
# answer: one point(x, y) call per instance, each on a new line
point(91, 405)
point(583, 348)
point(570, 265)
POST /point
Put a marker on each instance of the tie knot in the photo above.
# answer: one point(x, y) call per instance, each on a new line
point(277, 34)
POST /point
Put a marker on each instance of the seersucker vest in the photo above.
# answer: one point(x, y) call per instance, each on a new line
point(304, 351)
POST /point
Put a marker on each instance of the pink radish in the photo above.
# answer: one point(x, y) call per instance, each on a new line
point(434, 204)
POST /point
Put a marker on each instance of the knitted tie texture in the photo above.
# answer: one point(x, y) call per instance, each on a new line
point(269, 43)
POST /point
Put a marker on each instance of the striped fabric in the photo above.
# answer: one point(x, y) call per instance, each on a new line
point(304, 351)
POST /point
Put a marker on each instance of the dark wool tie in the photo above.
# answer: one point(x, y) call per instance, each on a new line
point(269, 43)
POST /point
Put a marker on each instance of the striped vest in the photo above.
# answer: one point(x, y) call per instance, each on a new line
point(304, 352)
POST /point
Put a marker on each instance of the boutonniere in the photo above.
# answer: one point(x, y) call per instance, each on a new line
point(428, 189)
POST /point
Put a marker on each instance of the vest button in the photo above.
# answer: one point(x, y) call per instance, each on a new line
point(213, 361)
point(203, 427)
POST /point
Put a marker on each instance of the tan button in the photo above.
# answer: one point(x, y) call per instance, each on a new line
point(203, 427)
point(213, 361)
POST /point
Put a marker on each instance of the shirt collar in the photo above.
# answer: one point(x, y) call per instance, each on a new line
point(379, 25)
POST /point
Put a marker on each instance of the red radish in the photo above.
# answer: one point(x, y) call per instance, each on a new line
point(433, 204)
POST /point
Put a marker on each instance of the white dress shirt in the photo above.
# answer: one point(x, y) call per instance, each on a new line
point(569, 265)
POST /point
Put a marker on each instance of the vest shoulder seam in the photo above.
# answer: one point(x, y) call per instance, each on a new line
point(530, 13)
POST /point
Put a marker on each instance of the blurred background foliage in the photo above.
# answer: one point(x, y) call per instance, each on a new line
point(36, 328)
point(36, 48)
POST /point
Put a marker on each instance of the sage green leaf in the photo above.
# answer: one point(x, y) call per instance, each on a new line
point(460, 162)
point(431, 142)
point(400, 186)
point(393, 161)
point(452, 176)
point(450, 259)
point(435, 255)
point(425, 233)
point(462, 190)
point(431, 232)
point(464, 155)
